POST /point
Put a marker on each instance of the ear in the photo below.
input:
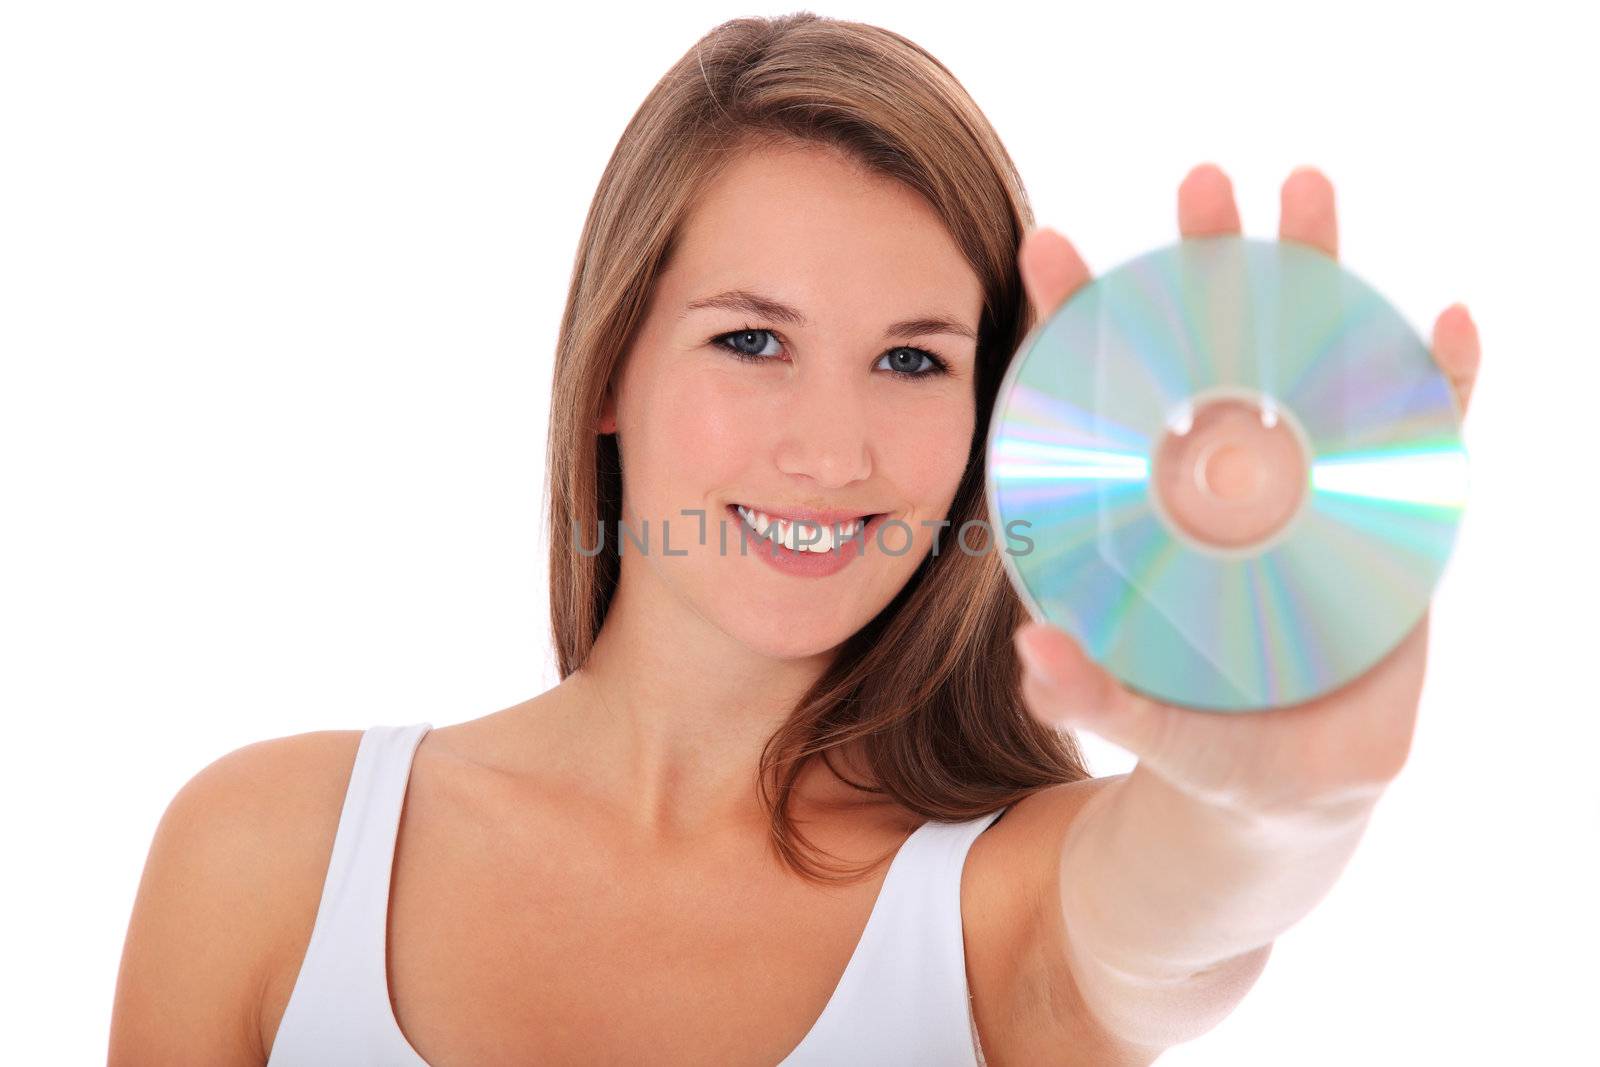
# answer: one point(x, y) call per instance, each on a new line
point(608, 413)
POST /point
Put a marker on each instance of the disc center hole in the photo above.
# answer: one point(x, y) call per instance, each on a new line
point(1229, 471)
point(1232, 474)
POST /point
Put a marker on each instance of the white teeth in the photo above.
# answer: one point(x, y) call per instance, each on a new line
point(816, 537)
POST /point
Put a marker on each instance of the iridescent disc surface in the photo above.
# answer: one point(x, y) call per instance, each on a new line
point(1230, 469)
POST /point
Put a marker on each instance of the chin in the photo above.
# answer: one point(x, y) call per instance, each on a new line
point(790, 642)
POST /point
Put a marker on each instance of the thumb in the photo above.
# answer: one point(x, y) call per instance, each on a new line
point(1067, 687)
point(1070, 687)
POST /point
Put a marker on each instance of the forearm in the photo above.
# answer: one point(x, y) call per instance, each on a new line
point(1158, 886)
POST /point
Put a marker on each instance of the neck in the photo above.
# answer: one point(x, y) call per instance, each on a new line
point(670, 718)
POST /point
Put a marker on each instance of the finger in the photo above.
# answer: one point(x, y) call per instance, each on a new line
point(1051, 270)
point(1306, 211)
point(1070, 684)
point(1205, 203)
point(1065, 687)
point(1456, 350)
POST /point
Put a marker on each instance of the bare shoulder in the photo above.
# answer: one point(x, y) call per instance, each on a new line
point(1027, 1007)
point(230, 890)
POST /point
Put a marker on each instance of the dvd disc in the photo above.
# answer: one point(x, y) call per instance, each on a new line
point(1230, 469)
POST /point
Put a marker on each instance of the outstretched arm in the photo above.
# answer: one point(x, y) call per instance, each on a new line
point(1171, 904)
point(1176, 878)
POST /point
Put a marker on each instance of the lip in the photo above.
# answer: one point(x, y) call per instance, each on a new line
point(795, 564)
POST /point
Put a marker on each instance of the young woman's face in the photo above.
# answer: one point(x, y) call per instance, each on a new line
point(838, 406)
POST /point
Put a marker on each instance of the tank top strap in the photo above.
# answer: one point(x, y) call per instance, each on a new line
point(922, 908)
point(345, 963)
point(903, 997)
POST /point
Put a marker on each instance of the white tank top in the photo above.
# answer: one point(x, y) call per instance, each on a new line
point(903, 998)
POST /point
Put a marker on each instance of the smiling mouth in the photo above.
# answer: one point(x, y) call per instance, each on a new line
point(733, 510)
point(811, 537)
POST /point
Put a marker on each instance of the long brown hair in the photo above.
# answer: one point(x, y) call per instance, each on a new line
point(930, 687)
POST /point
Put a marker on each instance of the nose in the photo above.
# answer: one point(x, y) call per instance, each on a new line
point(824, 432)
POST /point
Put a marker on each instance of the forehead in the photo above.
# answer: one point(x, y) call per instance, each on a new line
point(813, 226)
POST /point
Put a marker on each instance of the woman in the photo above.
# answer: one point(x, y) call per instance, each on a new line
point(802, 276)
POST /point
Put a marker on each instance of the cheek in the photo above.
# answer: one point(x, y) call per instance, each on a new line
point(927, 452)
point(692, 427)
point(718, 420)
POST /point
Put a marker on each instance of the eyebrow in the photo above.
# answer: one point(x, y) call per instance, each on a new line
point(765, 307)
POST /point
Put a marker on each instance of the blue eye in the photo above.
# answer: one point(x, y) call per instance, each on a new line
point(747, 336)
point(932, 367)
point(750, 343)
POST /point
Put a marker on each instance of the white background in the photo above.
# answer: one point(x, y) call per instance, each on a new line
point(279, 285)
